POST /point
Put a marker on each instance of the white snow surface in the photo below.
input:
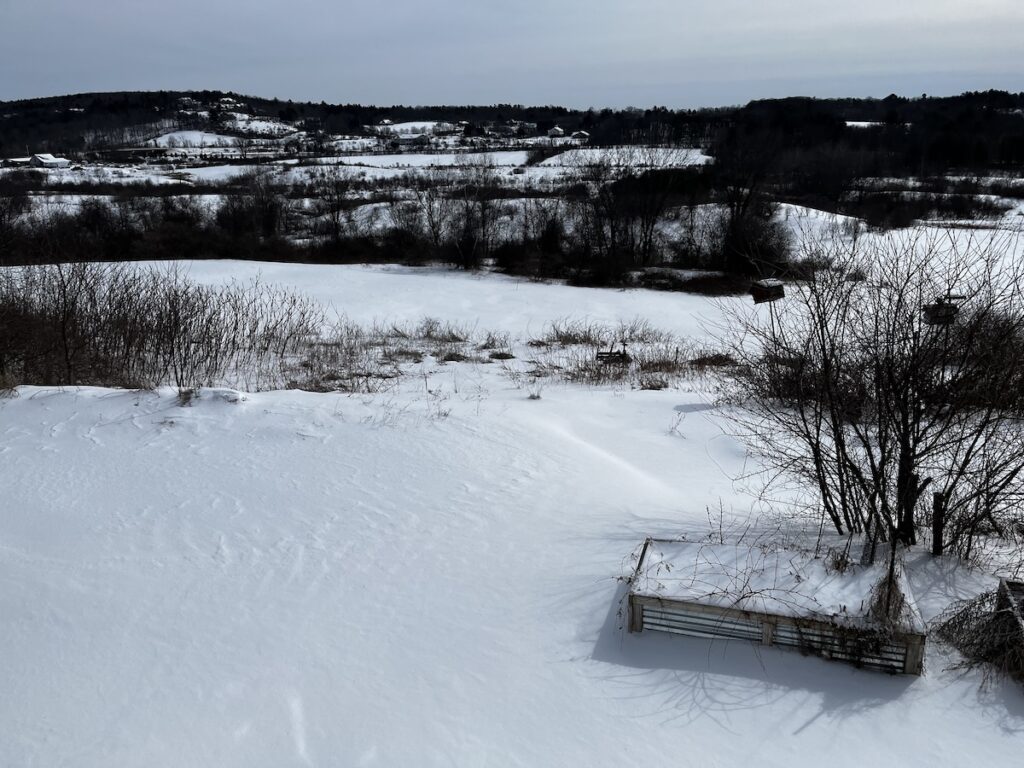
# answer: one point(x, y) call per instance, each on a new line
point(393, 293)
point(425, 577)
point(261, 126)
point(437, 159)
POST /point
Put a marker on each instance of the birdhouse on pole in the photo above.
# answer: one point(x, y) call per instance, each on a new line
point(767, 290)
point(943, 311)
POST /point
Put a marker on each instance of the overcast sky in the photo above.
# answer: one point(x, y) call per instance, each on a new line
point(677, 53)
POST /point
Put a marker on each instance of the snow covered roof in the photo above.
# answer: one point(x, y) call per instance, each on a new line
point(48, 160)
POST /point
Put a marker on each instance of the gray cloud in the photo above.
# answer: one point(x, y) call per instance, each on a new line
point(572, 52)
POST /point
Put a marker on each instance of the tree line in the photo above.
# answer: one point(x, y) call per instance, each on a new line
point(920, 135)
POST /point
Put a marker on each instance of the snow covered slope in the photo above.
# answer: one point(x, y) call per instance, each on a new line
point(193, 139)
point(423, 577)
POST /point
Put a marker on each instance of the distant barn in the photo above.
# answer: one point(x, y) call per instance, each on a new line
point(48, 161)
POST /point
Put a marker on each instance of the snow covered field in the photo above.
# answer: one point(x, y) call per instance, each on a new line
point(427, 576)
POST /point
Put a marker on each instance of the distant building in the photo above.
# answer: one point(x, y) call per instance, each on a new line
point(446, 129)
point(555, 133)
point(580, 136)
point(419, 140)
point(48, 161)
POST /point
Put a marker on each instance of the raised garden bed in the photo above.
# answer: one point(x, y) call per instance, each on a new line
point(786, 598)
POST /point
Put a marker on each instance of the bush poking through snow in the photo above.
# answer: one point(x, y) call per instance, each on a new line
point(988, 635)
point(129, 326)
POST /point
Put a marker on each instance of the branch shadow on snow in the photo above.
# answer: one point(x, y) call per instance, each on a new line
point(688, 679)
point(694, 408)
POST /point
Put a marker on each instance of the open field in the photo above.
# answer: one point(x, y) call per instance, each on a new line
point(332, 434)
point(424, 576)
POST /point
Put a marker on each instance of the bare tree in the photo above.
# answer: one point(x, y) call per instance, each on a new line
point(244, 143)
point(475, 215)
point(14, 204)
point(332, 196)
point(896, 372)
point(619, 202)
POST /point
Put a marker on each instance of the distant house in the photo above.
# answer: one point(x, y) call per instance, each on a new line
point(48, 161)
point(17, 162)
point(580, 136)
point(555, 133)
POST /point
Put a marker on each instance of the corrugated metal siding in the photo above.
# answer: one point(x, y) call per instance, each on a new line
point(843, 645)
point(821, 639)
point(684, 622)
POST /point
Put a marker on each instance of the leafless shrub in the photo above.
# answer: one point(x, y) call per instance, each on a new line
point(347, 358)
point(573, 332)
point(649, 382)
point(432, 329)
point(639, 331)
point(496, 340)
point(660, 358)
point(575, 351)
point(8, 386)
point(887, 602)
point(987, 633)
point(839, 560)
point(128, 326)
point(854, 393)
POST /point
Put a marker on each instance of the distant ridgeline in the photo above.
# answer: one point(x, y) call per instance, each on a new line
point(895, 135)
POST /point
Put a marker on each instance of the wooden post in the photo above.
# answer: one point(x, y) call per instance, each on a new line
point(636, 615)
point(914, 663)
point(938, 522)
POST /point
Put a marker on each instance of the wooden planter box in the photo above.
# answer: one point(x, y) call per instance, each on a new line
point(845, 636)
point(1010, 599)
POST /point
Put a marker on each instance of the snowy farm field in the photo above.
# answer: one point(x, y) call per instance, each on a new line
point(428, 574)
